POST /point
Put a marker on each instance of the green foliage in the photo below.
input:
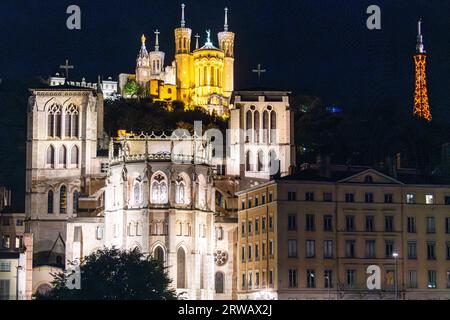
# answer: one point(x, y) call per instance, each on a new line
point(145, 115)
point(133, 89)
point(113, 274)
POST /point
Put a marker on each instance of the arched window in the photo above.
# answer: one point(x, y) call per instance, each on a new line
point(219, 282)
point(54, 121)
point(260, 161)
point(63, 200)
point(71, 115)
point(201, 191)
point(180, 191)
point(179, 228)
point(50, 159)
point(76, 196)
point(58, 124)
point(76, 125)
point(274, 164)
point(249, 126)
point(219, 233)
point(181, 268)
point(74, 155)
point(50, 125)
point(265, 125)
point(50, 202)
point(137, 193)
point(256, 125)
point(273, 126)
point(158, 254)
point(159, 189)
point(62, 155)
point(248, 166)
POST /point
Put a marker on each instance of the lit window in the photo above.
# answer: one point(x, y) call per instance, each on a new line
point(410, 198)
point(159, 190)
point(180, 191)
point(429, 199)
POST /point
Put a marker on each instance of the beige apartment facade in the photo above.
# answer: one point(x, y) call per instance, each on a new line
point(308, 236)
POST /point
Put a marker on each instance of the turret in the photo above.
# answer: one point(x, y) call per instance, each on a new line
point(143, 70)
point(226, 44)
point(156, 59)
point(183, 59)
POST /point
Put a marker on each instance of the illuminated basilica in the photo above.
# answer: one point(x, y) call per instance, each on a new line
point(202, 77)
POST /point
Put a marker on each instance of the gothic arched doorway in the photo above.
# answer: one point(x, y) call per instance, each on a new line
point(219, 282)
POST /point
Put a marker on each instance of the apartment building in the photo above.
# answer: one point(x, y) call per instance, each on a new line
point(313, 236)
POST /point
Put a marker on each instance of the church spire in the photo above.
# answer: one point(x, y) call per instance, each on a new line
point(420, 48)
point(183, 23)
point(225, 26)
point(157, 40)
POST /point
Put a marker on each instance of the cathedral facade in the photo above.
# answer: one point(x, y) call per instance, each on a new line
point(160, 198)
point(64, 124)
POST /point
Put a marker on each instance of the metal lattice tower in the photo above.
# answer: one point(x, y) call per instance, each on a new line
point(421, 105)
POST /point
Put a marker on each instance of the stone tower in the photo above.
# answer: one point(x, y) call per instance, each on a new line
point(143, 70)
point(226, 44)
point(183, 59)
point(62, 138)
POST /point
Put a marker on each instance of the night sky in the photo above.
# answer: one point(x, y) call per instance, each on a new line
point(313, 47)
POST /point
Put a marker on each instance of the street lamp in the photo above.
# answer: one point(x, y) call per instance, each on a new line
point(327, 277)
point(395, 255)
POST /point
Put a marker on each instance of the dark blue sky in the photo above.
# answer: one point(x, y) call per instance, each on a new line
point(313, 47)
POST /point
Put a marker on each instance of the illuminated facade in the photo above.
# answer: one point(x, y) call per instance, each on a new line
point(312, 235)
point(205, 77)
point(202, 77)
point(160, 197)
point(421, 106)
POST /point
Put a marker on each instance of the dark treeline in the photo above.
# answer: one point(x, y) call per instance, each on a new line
point(371, 136)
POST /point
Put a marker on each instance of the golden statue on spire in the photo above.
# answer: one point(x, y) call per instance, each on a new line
point(143, 39)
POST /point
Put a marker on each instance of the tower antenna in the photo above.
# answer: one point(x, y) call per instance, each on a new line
point(183, 23)
point(420, 47)
point(225, 26)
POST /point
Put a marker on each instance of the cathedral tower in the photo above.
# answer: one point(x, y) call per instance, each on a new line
point(143, 70)
point(62, 144)
point(156, 60)
point(421, 106)
point(183, 59)
point(226, 44)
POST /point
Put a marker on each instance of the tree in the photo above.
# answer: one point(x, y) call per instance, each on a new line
point(113, 274)
point(131, 88)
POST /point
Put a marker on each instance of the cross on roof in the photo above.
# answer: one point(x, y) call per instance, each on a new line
point(66, 67)
point(259, 71)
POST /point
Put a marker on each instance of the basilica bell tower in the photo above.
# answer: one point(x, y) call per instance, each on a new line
point(226, 44)
point(183, 59)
